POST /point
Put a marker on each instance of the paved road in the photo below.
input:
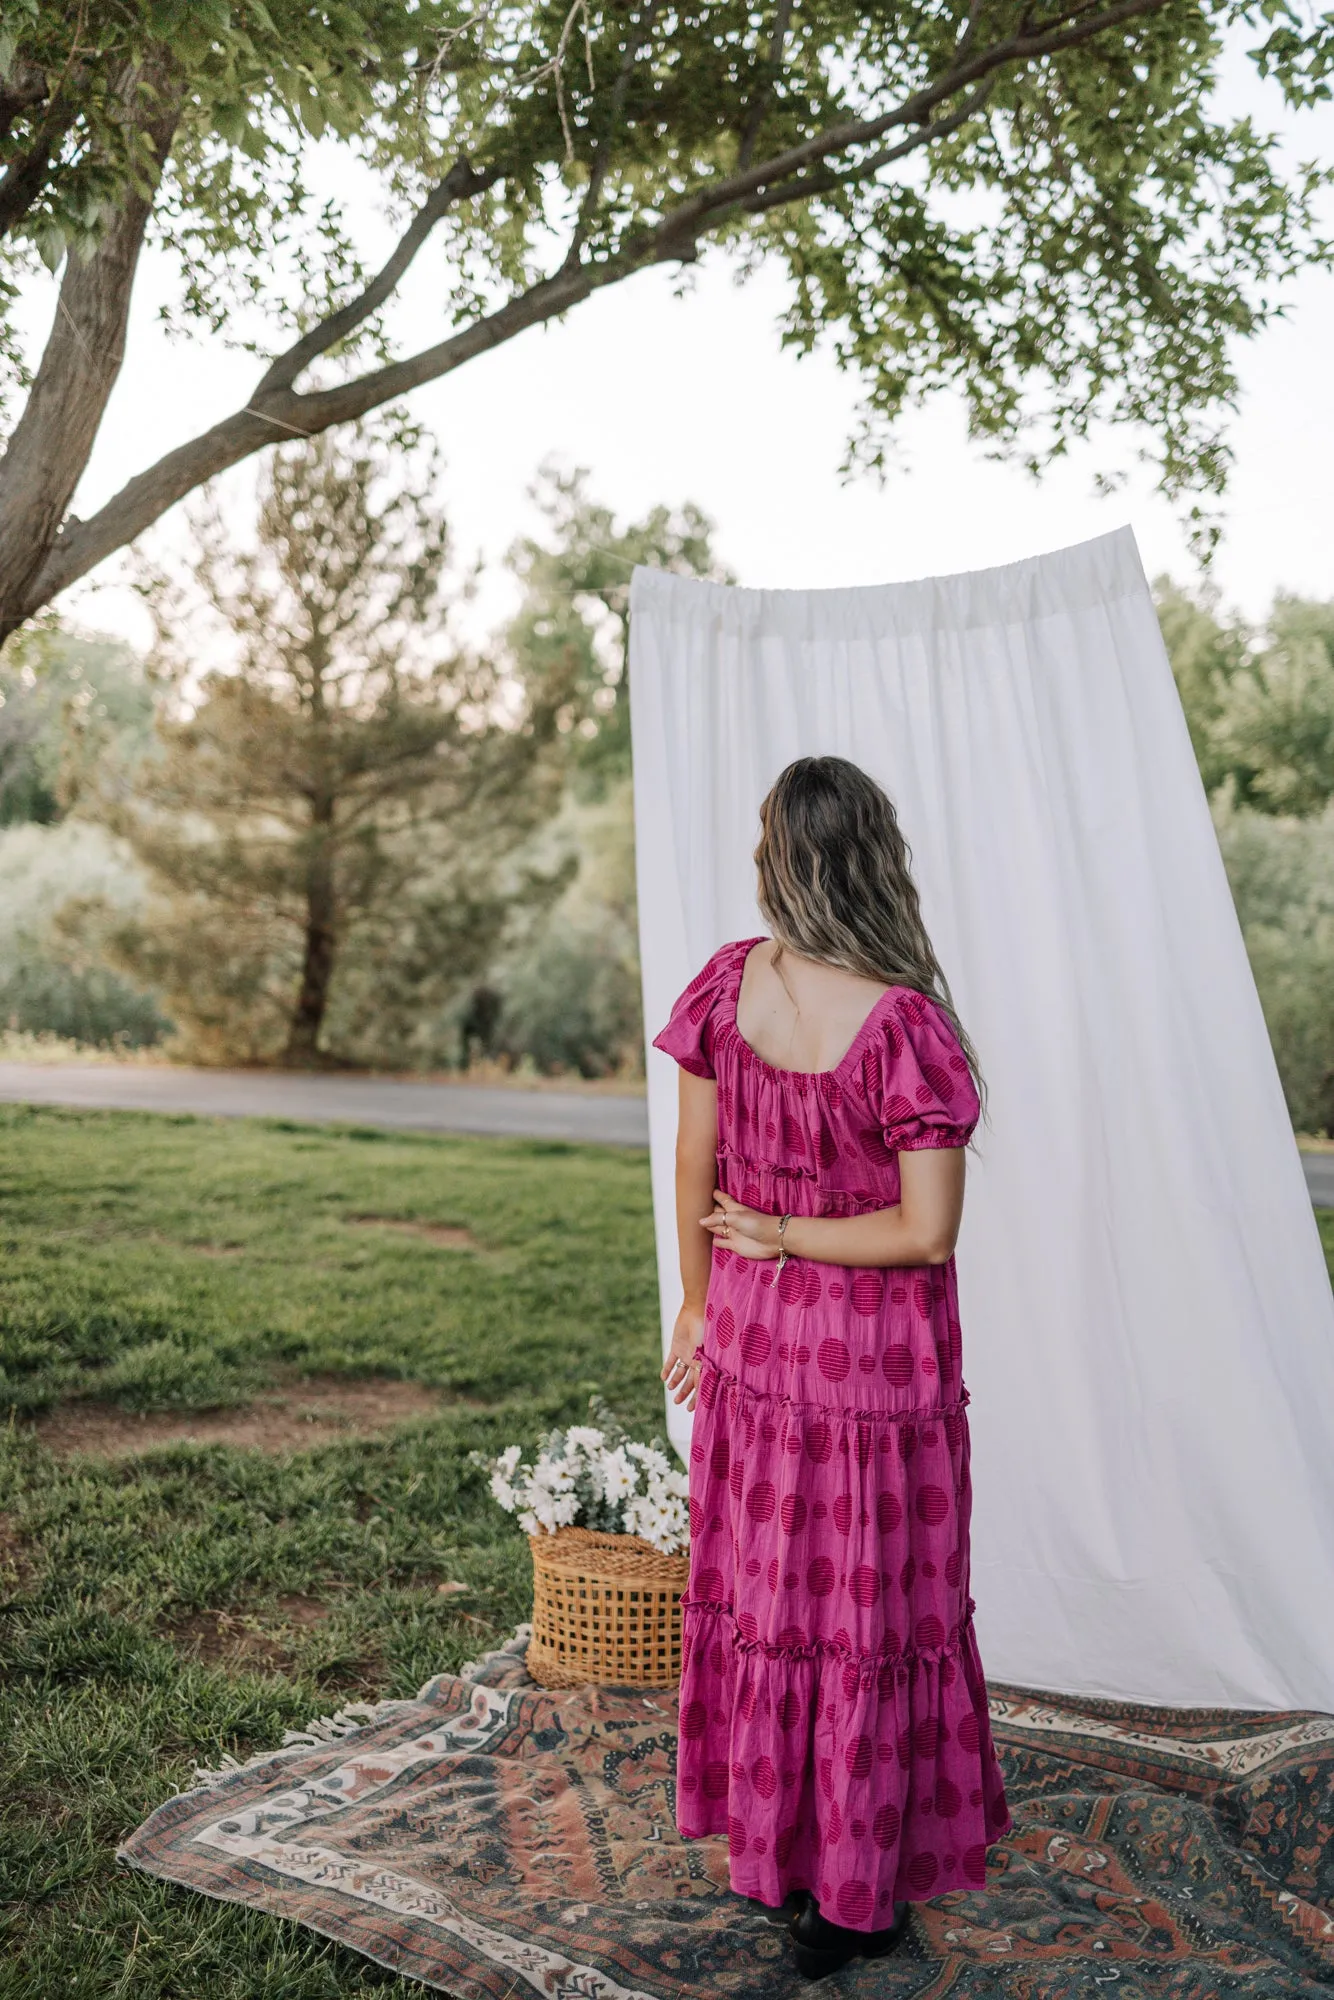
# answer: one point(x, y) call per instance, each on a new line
point(367, 1100)
point(1320, 1178)
point(333, 1100)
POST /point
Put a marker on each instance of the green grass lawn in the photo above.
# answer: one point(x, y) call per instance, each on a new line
point(163, 1609)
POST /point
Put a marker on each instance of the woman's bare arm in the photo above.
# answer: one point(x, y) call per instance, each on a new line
point(696, 1172)
point(922, 1228)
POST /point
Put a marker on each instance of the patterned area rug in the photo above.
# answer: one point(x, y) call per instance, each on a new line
point(495, 1841)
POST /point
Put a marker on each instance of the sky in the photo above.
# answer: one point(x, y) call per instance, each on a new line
point(667, 398)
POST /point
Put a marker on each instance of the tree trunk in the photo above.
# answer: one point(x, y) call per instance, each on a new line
point(52, 440)
point(321, 941)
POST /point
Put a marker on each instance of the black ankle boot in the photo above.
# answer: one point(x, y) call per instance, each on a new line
point(821, 1947)
point(781, 1915)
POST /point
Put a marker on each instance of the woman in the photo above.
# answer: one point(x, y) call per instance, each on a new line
point(833, 1709)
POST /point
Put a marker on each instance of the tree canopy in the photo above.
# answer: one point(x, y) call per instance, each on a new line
point(1259, 700)
point(574, 617)
point(1039, 205)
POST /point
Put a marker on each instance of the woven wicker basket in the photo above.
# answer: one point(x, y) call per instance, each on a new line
point(606, 1611)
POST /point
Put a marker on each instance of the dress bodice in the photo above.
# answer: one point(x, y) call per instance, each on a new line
point(823, 1142)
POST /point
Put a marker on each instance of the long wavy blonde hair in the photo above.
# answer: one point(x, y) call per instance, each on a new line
point(835, 882)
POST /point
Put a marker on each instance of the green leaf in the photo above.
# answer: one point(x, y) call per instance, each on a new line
point(51, 244)
point(230, 123)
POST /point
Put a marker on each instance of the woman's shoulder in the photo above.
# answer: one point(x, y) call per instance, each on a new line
point(910, 1008)
point(727, 962)
point(914, 1072)
point(917, 1025)
point(689, 1034)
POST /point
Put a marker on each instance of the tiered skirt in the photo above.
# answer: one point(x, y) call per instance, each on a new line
point(834, 1718)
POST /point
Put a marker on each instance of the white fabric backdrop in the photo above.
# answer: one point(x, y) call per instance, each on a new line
point(1148, 1329)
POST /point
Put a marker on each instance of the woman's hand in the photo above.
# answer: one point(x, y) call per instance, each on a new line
point(741, 1229)
point(680, 1371)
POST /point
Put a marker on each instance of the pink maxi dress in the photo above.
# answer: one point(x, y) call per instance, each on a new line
point(833, 1719)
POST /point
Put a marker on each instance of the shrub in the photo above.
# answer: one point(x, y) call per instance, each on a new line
point(1282, 877)
point(41, 995)
point(52, 980)
point(572, 1005)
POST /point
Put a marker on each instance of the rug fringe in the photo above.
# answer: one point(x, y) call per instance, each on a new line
point(347, 1721)
point(320, 1730)
point(343, 1722)
point(515, 1647)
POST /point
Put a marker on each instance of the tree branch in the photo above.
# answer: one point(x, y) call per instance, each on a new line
point(772, 68)
point(462, 181)
point(808, 185)
point(23, 177)
point(23, 89)
point(285, 414)
point(278, 412)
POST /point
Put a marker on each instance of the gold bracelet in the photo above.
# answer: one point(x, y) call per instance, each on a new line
point(783, 1221)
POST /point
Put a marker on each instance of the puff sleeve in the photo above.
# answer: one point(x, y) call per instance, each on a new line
point(689, 1034)
point(926, 1095)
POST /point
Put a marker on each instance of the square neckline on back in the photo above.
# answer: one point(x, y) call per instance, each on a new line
point(775, 1069)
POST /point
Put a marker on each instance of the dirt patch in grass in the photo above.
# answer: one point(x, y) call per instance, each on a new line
point(271, 1642)
point(233, 1638)
point(444, 1235)
point(312, 1412)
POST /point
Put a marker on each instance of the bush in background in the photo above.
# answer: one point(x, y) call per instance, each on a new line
point(1259, 703)
point(1282, 877)
point(51, 983)
point(88, 1004)
point(66, 699)
point(574, 1005)
point(68, 702)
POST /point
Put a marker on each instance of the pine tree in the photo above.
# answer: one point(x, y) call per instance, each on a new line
point(329, 823)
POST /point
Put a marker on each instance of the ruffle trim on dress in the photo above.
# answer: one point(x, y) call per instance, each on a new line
point(908, 1658)
point(835, 1203)
point(942, 1137)
point(823, 1082)
point(904, 1065)
point(771, 1167)
point(836, 1412)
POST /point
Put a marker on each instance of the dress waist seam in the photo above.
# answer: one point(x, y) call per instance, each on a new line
point(837, 1412)
point(863, 1200)
point(814, 1649)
